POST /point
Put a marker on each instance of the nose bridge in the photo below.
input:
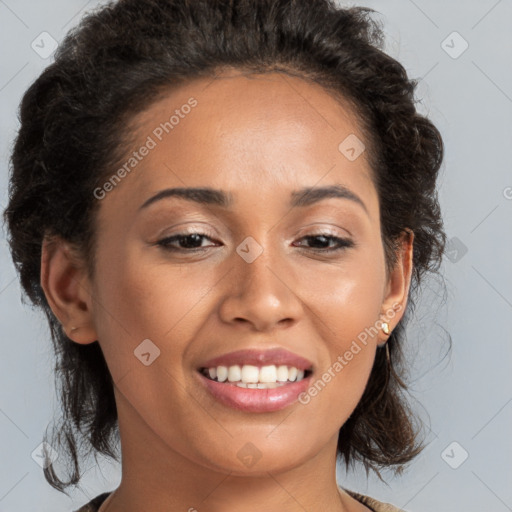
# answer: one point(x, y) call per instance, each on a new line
point(259, 292)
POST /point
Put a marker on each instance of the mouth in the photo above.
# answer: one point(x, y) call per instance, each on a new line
point(256, 380)
point(256, 396)
point(255, 377)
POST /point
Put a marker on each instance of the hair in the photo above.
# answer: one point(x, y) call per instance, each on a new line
point(75, 126)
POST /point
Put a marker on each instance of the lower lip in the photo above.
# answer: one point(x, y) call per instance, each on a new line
point(255, 400)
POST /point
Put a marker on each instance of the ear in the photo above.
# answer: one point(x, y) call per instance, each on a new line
point(67, 288)
point(397, 288)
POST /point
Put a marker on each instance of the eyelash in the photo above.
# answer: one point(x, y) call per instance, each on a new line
point(343, 243)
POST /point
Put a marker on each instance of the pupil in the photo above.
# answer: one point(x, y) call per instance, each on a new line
point(186, 239)
point(324, 239)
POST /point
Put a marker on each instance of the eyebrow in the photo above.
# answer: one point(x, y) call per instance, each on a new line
point(299, 198)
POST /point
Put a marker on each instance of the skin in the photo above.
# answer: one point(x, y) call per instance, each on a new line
point(259, 137)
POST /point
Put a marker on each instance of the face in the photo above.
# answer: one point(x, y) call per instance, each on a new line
point(273, 267)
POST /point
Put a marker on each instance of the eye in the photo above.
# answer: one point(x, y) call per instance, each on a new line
point(190, 242)
point(324, 239)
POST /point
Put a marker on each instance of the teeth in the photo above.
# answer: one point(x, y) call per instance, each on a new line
point(234, 373)
point(268, 374)
point(250, 373)
point(282, 373)
point(249, 376)
point(222, 373)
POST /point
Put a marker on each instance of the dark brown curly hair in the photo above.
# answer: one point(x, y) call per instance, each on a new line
point(75, 128)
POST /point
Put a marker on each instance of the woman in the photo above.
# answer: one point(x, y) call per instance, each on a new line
point(224, 208)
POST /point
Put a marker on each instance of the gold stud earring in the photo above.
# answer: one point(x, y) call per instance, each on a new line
point(385, 327)
point(74, 329)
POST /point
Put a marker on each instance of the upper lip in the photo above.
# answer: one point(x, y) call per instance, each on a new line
point(256, 357)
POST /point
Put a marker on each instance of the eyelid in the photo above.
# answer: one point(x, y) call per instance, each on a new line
point(179, 229)
point(319, 229)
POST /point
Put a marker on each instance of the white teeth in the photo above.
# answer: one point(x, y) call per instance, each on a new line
point(234, 373)
point(250, 373)
point(268, 374)
point(222, 373)
point(251, 376)
point(282, 373)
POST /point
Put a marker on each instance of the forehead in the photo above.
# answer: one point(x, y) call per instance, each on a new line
point(267, 133)
point(273, 111)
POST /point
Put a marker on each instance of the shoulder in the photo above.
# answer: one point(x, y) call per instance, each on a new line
point(372, 503)
point(94, 504)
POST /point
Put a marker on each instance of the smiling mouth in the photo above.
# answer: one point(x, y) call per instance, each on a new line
point(252, 377)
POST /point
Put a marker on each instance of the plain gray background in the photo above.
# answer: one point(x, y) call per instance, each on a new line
point(465, 399)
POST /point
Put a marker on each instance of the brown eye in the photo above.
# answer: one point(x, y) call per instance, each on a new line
point(322, 242)
point(188, 242)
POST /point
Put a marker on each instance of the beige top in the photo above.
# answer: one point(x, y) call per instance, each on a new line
point(372, 504)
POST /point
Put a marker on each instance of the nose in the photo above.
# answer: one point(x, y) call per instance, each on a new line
point(260, 295)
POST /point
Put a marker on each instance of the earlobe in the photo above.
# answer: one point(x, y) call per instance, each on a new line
point(67, 289)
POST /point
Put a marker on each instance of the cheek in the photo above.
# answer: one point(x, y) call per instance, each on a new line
point(138, 299)
point(347, 302)
point(347, 297)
